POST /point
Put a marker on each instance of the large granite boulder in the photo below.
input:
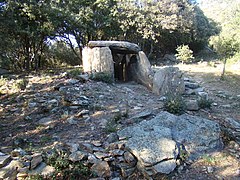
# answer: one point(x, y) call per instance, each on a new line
point(168, 80)
point(158, 143)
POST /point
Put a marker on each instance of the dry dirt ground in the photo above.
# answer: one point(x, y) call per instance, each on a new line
point(21, 112)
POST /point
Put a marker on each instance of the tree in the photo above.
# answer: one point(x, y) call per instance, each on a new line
point(227, 14)
point(26, 25)
point(163, 24)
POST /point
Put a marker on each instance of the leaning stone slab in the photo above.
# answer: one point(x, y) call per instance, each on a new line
point(118, 45)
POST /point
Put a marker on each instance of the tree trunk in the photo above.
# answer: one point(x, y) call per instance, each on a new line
point(224, 68)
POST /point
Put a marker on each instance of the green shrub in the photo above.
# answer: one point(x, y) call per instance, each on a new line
point(75, 72)
point(205, 103)
point(67, 168)
point(184, 54)
point(174, 104)
point(111, 126)
point(103, 76)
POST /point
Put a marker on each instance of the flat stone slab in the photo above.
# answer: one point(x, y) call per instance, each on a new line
point(116, 45)
point(156, 143)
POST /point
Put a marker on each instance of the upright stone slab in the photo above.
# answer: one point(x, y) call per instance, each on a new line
point(168, 80)
point(98, 59)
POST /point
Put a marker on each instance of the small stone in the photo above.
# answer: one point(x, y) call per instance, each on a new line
point(32, 104)
point(210, 169)
point(73, 81)
point(45, 121)
point(83, 77)
point(191, 85)
point(73, 147)
point(87, 147)
point(162, 98)
point(165, 167)
point(18, 152)
point(113, 137)
point(203, 95)
point(137, 108)
point(21, 175)
point(102, 169)
point(115, 111)
point(36, 160)
point(129, 158)
point(97, 143)
point(214, 104)
point(101, 155)
point(117, 152)
point(92, 159)
point(72, 120)
point(83, 112)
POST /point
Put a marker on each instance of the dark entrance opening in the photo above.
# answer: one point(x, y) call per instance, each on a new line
point(123, 64)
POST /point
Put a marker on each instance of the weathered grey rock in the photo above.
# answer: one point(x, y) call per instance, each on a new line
point(77, 156)
point(116, 45)
point(141, 70)
point(168, 80)
point(102, 169)
point(4, 159)
point(192, 105)
point(232, 128)
point(36, 160)
point(156, 141)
